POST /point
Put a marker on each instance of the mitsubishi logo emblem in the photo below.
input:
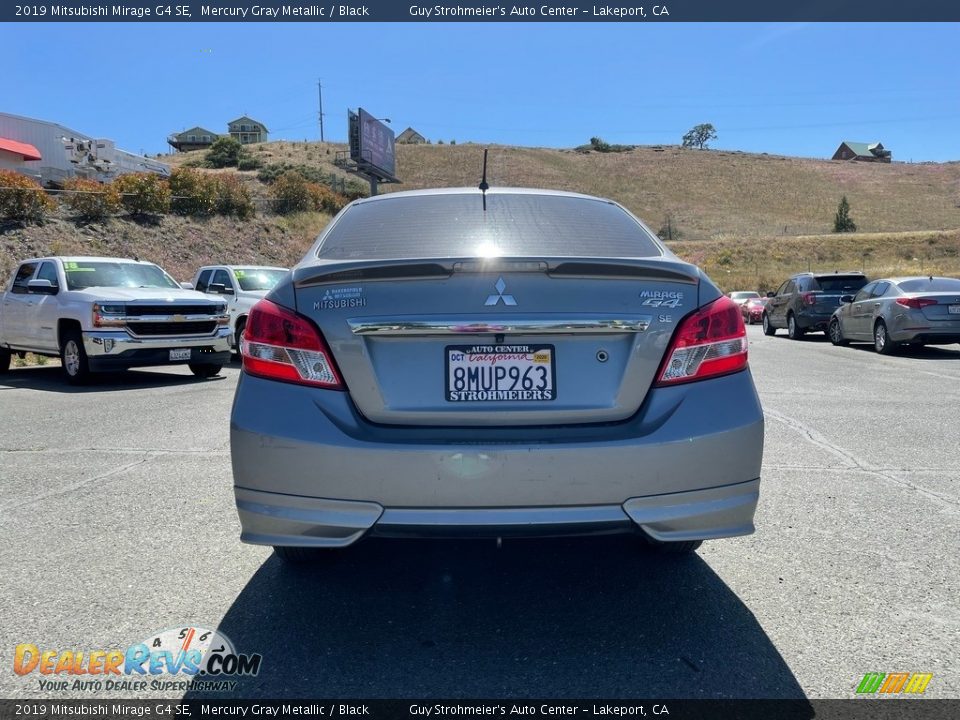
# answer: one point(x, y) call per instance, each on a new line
point(495, 299)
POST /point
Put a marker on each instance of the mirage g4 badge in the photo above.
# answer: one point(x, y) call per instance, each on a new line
point(662, 298)
point(495, 299)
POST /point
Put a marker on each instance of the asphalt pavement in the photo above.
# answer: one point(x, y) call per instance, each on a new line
point(117, 522)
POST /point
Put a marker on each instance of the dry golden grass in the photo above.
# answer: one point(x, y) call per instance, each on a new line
point(763, 263)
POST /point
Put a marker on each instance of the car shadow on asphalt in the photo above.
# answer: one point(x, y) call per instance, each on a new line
point(51, 379)
point(589, 617)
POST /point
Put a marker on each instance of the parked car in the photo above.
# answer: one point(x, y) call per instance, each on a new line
point(742, 296)
point(101, 313)
point(805, 302)
point(508, 362)
point(752, 309)
point(896, 311)
point(241, 286)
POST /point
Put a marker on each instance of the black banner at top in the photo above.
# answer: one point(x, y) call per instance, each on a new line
point(412, 11)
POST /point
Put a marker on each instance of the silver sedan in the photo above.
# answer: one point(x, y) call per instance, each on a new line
point(493, 363)
point(900, 311)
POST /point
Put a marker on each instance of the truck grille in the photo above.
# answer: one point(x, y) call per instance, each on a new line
point(199, 327)
point(171, 309)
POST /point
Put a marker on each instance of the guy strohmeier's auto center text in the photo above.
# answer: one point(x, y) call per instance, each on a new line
point(188, 11)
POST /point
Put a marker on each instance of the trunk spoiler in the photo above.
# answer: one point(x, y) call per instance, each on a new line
point(341, 271)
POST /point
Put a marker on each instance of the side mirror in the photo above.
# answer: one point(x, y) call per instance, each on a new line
point(771, 294)
point(217, 288)
point(42, 287)
point(845, 299)
point(187, 286)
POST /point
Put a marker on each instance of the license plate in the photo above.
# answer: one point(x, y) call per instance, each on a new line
point(180, 354)
point(500, 373)
point(953, 309)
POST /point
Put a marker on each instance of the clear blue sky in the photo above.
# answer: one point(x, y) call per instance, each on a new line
point(793, 89)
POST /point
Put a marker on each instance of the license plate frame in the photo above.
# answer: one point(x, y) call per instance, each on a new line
point(543, 386)
point(180, 354)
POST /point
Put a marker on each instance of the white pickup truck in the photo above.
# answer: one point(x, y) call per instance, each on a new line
point(99, 314)
point(241, 286)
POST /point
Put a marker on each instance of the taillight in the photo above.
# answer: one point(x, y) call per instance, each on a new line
point(809, 298)
point(279, 344)
point(916, 303)
point(710, 342)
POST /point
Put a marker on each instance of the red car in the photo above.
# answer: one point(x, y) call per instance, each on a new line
point(752, 310)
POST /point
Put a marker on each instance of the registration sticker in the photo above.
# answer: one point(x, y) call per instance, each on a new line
point(500, 373)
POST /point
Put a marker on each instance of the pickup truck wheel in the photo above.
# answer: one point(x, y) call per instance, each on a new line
point(204, 370)
point(238, 336)
point(4, 360)
point(73, 358)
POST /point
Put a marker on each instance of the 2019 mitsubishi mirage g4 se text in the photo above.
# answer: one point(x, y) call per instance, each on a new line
point(495, 363)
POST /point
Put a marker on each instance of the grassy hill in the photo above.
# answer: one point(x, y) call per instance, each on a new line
point(749, 219)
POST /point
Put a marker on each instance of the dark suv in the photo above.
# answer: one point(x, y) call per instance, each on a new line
point(805, 302)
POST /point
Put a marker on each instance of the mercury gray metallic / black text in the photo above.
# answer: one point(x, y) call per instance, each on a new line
point(499, 363)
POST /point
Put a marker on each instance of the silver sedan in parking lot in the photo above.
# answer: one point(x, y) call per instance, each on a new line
point(900, 311)
point(492, 363)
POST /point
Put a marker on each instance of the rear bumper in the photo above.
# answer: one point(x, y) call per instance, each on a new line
point(308, 471)
point(926, 336)
point(117, 350)
point(275, 519)
point(813, 322)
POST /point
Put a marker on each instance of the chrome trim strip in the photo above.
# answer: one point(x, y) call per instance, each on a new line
point(513, 326)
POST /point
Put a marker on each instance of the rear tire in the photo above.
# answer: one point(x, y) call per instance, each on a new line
point(768, 328)
point(793, 330)
point(5, 356)
point(881, 339)
point(836, 333)
point(302, 555)
point(73, 358)
point(204, 370)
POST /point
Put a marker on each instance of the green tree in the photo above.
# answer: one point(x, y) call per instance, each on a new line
point(699, 136)
point(225, 152)
point(21, 198)
point(842, 222)
point(193, 192)
point(91, 200)
point(290, 193)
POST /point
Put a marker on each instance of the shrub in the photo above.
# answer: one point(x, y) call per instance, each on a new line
point(290, 193)
point(326, 200)
point(143, 193)
point(249, 163)
point(22, 198)
point(192, 192)
point(233, 197)
point(225, 152)
point(271, 172)
point(91, 200)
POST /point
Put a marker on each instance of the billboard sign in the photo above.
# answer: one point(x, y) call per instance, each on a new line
point(371, 145)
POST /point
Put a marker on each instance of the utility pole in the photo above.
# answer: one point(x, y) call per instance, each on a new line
point(320, 94)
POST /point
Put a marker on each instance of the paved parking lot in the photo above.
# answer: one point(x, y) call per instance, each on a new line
point(117, 521)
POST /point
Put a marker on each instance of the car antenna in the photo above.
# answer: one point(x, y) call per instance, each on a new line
point(484, 185)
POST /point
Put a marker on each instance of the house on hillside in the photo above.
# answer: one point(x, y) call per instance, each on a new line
point(196, 138)
point(864, 152)
point(247, 130)
point(411, 137)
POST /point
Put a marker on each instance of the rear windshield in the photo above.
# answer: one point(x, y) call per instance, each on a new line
point(845, 284)
point(745, 295)
point(930, 285)
point(455, 225)
point(82, 275)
